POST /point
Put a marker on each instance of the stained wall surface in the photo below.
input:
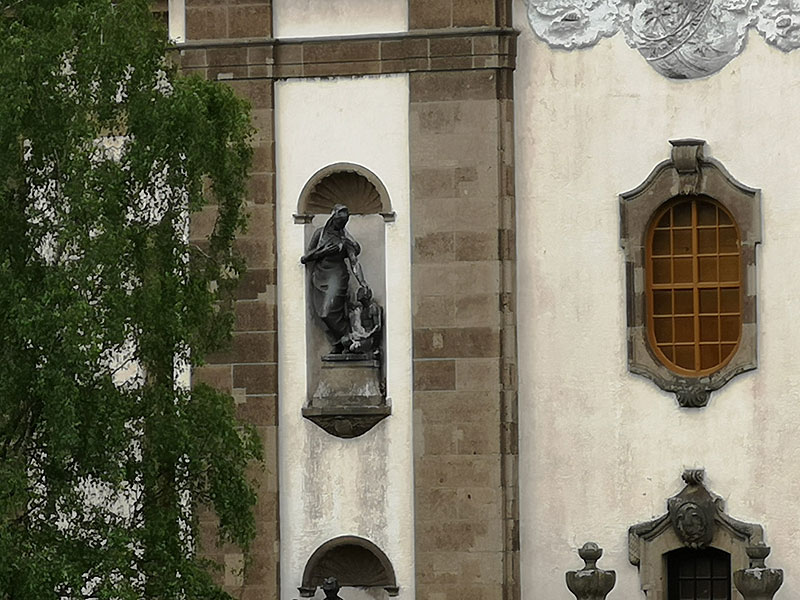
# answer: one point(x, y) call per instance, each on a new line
point(602, 449)
point(307, 18)
point(330, 486)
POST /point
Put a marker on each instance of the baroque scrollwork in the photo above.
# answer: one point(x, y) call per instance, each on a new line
point(681, 39)
point(779, 23)
point(573, 23)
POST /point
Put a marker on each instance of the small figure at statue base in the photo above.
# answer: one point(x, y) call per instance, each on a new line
point(330, 586)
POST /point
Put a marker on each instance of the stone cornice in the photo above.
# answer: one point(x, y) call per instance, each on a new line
point(403, 52)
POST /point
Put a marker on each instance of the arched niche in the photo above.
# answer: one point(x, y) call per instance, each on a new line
point(353, 561)
point(358, 188)
point(346, 397)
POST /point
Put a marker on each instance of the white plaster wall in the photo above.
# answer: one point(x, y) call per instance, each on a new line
point(313, 18)
point(329, 486)
point(602, 449)
point(177, 20)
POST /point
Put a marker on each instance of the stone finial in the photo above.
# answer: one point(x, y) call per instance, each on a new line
point(694, 476)
point(759, 582)
point(590, 583)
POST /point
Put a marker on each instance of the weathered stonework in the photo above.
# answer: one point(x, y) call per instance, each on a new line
point(248, 369)
point(467, 48)
point(354, 561)
point(590, 583)
point(460, 55)
point(465, 394)
point(758, 582)
point(695, 518)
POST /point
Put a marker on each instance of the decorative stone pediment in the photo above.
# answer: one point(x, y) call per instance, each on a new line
point(681, 39)
point(695, 518)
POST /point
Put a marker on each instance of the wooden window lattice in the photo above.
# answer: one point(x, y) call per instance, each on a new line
point(694, 286)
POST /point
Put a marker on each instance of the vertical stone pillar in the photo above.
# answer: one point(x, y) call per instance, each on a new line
point(230, 40)
point(759, 582)
point(463, 265)
point(590, 583)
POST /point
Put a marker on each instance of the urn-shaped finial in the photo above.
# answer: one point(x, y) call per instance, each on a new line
point(590, 583)
point(759, 582)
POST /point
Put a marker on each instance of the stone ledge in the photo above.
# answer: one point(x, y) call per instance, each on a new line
point(469, 48)
point(347, 421)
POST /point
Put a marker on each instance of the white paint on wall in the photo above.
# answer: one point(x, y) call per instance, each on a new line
point(177, 20)
point(330, 486)
point(319, 18)
point(602, 449)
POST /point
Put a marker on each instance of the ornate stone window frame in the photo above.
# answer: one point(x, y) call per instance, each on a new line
point(695, 518)
point(688, 172)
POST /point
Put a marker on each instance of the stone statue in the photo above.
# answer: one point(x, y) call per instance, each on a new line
point(331, 588)
point(365, 317)
point(352, 321)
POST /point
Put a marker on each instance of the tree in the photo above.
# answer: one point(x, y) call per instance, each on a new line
point(105, 455)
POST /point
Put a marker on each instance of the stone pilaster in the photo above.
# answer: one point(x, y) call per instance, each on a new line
point(248, 368)
point(463, 265)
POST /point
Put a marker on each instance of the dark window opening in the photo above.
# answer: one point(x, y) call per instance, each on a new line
point(699, 574)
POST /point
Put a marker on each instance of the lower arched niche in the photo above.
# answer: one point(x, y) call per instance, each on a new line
point(353, 561)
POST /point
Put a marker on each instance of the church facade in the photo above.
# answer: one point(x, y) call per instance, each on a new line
point(562, 304)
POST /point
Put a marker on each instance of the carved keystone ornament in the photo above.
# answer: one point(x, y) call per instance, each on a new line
point(681, 39)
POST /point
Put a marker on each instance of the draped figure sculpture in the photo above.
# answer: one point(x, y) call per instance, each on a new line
point(352, 319)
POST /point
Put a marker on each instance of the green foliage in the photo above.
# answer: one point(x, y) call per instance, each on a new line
point(104, 455)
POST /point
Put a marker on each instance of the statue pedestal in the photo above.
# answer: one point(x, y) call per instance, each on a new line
point(350, 398)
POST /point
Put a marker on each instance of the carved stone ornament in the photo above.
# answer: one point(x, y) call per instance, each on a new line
point(695, 518)
point(688, 172)
point(759, 582)
point(590, 583)
point(681, 39)
point(350, 396)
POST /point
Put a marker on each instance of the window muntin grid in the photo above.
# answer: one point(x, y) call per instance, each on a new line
point(694, 287)
point(698, 574)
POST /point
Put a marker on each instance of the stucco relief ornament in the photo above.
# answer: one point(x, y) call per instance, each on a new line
point(779, 23)
point(681, 39)
point(686, 39)
point(573, 23)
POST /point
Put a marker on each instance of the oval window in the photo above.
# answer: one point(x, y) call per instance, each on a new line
point(694, 286)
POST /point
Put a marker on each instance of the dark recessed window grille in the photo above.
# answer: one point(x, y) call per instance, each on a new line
point(698, 574)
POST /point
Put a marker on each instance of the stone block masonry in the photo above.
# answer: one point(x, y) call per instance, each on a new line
point(460, 55)
point(465, 394)
point(248, 368)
